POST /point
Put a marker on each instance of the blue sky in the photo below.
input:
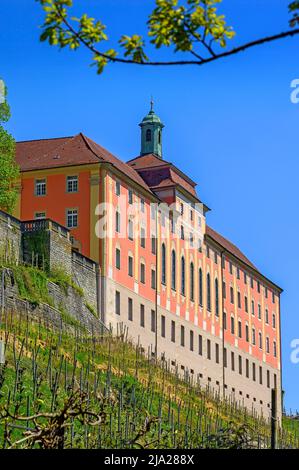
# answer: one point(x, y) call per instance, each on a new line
point(230, 125)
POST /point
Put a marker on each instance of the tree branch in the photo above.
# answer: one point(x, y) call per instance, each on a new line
point(201, 61)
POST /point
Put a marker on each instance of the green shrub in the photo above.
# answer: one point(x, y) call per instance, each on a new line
point(63, 280)
point(91, 309)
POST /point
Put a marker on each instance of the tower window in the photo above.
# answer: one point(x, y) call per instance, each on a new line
point(159, 137)
point(148, 135)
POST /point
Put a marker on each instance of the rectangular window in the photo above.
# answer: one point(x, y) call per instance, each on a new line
point(232, 297)
point(238, 273)
point(130, 309)
point(209, 349)
point(253, 372)
point(252, 307)
point(182, 208)
point(251, 282)
point(72, 184)
point(217, 353)
point(261, 375)
point(245, 278)
point(233, 360)
point(230, 267)
point(216, 258)
point(39, 215)
point(224, 289)
point(130, 229)
point(223, 262)
point(247, 368)
point(40, 187)
point(232, 325)
point(268, 379)
point(142, 316)
point(117, 222)
point(130, 196)
point(225, 357)
point(259, 312)
point(258, 287)
point(117, 188)
point(182, 233)
point(117, 303)
point(273, 298)
point(72, 218)
point(200, 345)
point(191, 341)
point(182, 336)
point(142, 237)
point(130, 266)
point(247, 333)
point(246, 303)
point(153, 245)
point(208, 251)
point(239, 300)
point(142, 273)
point(240, 365)
point(266, 292)
point(163, 327)
point(153, 279)
point(153, 321)
point(142, 205)
point(172, 331)
point(240, 329)
point(117, 258)
point(253, 337)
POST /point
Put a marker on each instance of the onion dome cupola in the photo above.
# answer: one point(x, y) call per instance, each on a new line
point(151, 133)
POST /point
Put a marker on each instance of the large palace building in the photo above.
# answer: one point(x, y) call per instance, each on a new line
point(178, 287)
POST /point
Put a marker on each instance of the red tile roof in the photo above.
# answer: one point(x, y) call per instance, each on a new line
point(116, 162)
point(151, 168)
point(52, 153)
point(146, 161)
point(69, 151)
point(228, 246)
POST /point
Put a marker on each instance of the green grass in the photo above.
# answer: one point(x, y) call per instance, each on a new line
point(142, 405)
point(32, 284)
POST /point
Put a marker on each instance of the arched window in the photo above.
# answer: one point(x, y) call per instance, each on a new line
point(163, 272)
point(208, 292)
point(173, 270)
point(217, 297)
point(183, 275)
point(200, 296)
point(148, 135)
point(191, 281)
